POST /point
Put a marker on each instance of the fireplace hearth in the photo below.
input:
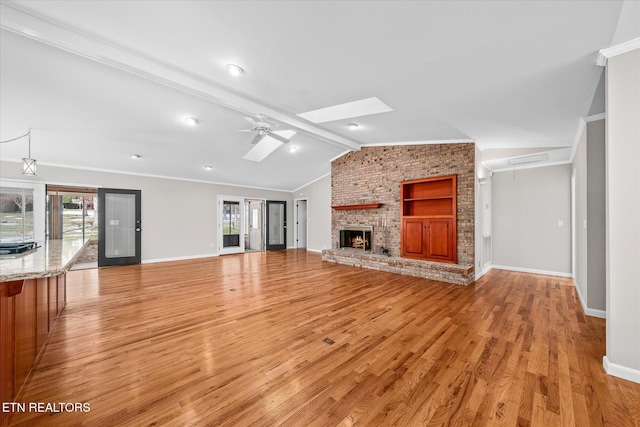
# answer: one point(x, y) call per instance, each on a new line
point(357, 238)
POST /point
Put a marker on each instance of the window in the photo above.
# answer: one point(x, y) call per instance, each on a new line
point(16, 215)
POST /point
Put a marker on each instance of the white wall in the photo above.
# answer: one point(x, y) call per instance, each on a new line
point(596, 220)
point(484, 206)
point(318, 194)
point(580, 168)
point(589, 165)
point(179, 218)
point(527, 205)
point(623, 215)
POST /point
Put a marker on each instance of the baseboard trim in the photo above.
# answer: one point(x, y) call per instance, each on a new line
point(620, 371)
point(483, 272)
point(180, 258)
point(588, 311)
point(533, 271)
point(314, 250)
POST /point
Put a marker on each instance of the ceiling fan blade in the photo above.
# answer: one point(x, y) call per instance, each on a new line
point(258, 138)
point(278, 137)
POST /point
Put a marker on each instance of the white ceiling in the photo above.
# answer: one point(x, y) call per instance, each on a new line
point(100, 80)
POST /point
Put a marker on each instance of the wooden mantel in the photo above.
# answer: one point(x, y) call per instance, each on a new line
point(352, 207)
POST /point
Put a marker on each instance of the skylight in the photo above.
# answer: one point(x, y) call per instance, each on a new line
point(364, 107)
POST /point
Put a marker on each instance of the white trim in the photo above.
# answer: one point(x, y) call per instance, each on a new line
point(588, 311)
point(427, 142)
point(309, 183)
point(620, 371)
point(46, 30)
point(178, 258)
point(339, 155)
point(532, 270)
point(319, 251)
point(582, 124)
point(483, 272)
point(531, 166)
point(231, 249)
point(619, 49)
point(296, 221)
point(39, 203)
point(595, 117)
point(146, 175)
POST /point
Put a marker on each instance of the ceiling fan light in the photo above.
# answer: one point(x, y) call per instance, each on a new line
point(191, 121)
point(234, 70)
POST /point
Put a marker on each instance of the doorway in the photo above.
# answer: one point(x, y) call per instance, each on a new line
point(276, 224)
point(254, 224)
point(72, 213)
point(300, 220)
point(120, 227)
point(231, 225)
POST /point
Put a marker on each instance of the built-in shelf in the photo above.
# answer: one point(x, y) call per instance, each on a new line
point(429, 218)
point(352, 207)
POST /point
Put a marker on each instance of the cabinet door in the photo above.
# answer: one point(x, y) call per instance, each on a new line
point(439, 235)
point(413, 237)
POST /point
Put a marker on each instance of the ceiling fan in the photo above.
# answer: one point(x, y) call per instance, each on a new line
point(266, 140)
point(263, 128)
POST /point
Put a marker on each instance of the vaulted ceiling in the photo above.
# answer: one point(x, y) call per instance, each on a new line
point(97, 81)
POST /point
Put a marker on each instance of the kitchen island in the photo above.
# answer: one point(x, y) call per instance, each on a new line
point(32, 295)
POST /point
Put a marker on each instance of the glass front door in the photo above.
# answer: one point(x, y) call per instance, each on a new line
point(276, 224)
point(119, 233)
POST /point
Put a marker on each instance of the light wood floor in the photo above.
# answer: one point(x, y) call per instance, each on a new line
point(239, 340)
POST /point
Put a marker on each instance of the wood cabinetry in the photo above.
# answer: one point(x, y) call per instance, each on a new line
point(428, 213)
point(28, 311)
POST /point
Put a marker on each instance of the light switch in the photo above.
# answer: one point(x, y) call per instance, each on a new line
point(560, 223)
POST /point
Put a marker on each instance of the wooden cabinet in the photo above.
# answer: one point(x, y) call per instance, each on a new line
point(429, 219)
point(28, 310)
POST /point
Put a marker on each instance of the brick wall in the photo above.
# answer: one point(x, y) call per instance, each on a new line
point(373, 175)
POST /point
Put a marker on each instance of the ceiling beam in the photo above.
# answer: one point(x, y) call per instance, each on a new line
point(17, 20)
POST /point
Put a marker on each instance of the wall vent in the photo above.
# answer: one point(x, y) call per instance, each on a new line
point(528, 159)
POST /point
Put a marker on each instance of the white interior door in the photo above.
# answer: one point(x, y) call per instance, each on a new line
point(230, 225)
point(255, 225)
point(301, 223)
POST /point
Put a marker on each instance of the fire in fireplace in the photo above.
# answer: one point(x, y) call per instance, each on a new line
point(356, 237)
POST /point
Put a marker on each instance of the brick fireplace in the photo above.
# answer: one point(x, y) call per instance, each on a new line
point(365, 191)
point(358, 238)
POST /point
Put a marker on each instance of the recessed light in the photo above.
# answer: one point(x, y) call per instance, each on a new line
point(209, 168)
point(293, 149)
point(191, 121)
point(234, 70)
point(135, 156)
point(353, 126)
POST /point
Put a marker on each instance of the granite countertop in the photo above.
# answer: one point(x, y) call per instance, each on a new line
point(52, 258)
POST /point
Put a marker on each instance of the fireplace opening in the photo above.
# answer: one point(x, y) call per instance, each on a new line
point(356, 237)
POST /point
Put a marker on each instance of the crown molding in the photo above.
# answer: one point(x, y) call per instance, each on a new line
point(56, 34)
point(427, 142)
point(619, 49)
point(582, 124)
point(595, 117)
